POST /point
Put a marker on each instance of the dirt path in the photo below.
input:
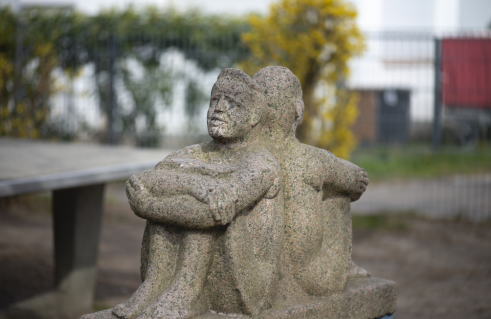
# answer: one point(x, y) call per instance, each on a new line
point(443, 269)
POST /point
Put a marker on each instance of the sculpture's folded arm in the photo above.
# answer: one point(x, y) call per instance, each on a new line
point(171, 195)
point(342, 177)
point(180, 210)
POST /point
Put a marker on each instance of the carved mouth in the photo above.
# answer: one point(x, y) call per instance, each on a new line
point(217, 120)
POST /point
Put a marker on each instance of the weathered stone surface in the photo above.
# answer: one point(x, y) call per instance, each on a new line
point(253, 223)
point(361, 298)
point(318, 188)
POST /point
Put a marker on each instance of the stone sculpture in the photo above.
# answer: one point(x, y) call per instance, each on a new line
point(318, 188)
point(253, 223)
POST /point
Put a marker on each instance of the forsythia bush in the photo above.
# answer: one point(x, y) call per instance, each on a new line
point(26, 115)
point(315, 39)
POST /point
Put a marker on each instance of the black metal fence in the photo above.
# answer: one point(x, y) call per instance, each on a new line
point(424, 126)
point(423, 137)
point(111, 77)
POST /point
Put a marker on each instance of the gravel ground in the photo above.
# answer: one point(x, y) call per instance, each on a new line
point(442, 268)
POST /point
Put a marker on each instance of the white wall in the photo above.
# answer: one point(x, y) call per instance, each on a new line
point(474, 14)
point(446, 15)
point(405, 14)
point(438, 15)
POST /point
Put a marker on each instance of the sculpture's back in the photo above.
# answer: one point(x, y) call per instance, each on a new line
point(318, 189)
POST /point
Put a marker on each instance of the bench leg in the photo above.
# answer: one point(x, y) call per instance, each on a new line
point(77, 218)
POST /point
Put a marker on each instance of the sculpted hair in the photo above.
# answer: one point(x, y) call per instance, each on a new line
point(274, 80)
point(239, 76)
point(283, 92)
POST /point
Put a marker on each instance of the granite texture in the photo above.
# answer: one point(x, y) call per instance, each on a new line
point(253, 223)
point(318, 188)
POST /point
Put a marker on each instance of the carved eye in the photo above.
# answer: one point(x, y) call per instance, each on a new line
point(215, 99)
point(232, 103)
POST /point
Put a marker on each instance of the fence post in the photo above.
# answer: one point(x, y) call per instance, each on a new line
point(111, 113)
point(437, 114)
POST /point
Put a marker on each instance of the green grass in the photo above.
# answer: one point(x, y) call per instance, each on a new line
point(417, 162)
point(99, 306)
point(381, 221)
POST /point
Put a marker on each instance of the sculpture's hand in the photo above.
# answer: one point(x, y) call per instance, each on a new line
point(361, 183)
point(135, 191)
point(222, 199)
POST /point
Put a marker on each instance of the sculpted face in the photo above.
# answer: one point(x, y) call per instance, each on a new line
point(231, 114)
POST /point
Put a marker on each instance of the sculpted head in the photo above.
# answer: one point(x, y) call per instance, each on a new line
point(283, 93)
point(236, 106)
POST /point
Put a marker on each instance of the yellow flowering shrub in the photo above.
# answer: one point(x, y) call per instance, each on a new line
point(25, 119)
point(25, 115)
point(6, 75)
point(314, 39)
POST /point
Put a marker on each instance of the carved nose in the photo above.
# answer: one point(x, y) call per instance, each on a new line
point(221, 105)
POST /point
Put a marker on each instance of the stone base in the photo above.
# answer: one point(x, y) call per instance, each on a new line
point(362, 298)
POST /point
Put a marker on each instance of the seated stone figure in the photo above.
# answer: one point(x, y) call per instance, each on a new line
point(252, 223)
point(214, 211)
point(318, 188)
point(316, 257)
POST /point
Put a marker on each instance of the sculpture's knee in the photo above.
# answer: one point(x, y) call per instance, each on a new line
point(323, 277)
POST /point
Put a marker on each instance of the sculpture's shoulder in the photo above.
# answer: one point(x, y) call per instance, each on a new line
point(304, 164)
point(328, 158)
point(261, 156)
point(325, 160)
point(302, 156)
point(317, 153)
point(332, 162)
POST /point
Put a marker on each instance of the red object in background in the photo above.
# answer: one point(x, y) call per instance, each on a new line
point(466, 67)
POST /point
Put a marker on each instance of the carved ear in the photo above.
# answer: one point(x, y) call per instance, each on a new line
point(256, 116)
point(299, 108)
point(259, 107)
